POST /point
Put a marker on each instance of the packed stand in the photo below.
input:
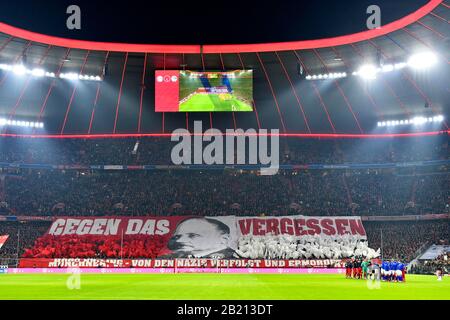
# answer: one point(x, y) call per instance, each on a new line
point(403, 240)
point(150, 150)
point(211, 192)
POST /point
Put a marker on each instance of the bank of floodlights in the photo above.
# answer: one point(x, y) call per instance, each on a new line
point(412, 121)
point(419, 62)
point(21, 69)
point(20, 123)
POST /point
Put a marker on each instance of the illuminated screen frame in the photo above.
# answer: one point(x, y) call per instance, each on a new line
point(204, 91)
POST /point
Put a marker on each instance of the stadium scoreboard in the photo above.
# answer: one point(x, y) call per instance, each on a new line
point(203, 91)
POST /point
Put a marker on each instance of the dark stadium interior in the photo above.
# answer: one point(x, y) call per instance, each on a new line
point(105, 152)
point(246, 22)
point(283, 100)
point(296, 106)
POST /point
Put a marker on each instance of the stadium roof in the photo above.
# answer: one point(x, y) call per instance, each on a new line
point(124, 102)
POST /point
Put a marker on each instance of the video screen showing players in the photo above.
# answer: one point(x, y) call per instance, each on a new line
point(208, 91)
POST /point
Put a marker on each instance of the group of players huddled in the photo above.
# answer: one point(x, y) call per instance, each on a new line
point(358, 268)
point(363, 268)
point(394, 271)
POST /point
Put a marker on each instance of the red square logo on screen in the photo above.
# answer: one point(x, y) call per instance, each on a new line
point(167, 90)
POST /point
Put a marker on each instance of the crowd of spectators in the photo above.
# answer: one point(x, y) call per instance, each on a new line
point(430, 266)
point(21, 235)
point(402, 240)
point(90, 246)
point(331, 192)
point(214, 192)
point(150, 150)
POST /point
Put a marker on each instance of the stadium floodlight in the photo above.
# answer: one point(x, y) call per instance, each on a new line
point(387, 68)
point(333, 75)
point(76, 76)
point(419, 120)
point(38, 72)
point(70, 76)
point(438, 118)
point(368, 71)
point(21, 123)
point(19, 69)
point(417, 61)
point(423, 60)
point(5, 67)
point(400, 65)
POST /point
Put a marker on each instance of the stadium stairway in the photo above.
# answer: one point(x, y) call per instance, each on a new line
point(434, 251)
point(427, 252)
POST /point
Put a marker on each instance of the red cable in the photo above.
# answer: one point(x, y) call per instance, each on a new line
point(91, 121)
point(142, 93)
point(19, 100)
point(439, 17)
point(405, 75)
point(271, 90)
point(388, 86)
point(120, 92)
point(203, 66)
point(73, 94)
point(431, 29)
point(168, 135)
point(369, 96)
point(6, 43)
point(410, 33)
point(163, 114)
point(52, 84)
point(15, 61)
point(317, 93)
point(349, 106)
point(232, 113)
point(294, 92)
point(93, 109)
point(253, 100)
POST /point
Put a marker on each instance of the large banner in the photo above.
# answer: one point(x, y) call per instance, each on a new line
point(181, 236)
point(302, 226)
point(204, 237)
point(180, 263)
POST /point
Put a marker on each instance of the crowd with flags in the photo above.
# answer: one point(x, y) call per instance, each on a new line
point(304, 247)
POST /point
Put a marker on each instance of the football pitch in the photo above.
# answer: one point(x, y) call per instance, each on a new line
point(213, 103)
point(215, 286)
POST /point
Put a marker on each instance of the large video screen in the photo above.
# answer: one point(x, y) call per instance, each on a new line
point(208, 91)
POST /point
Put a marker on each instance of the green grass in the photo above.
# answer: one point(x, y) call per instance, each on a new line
point(216, 286)
point(212, 102)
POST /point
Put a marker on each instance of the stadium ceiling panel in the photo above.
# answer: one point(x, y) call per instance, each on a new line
point(346, 106)
point(222, 48)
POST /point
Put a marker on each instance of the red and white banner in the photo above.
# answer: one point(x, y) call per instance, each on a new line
point(257, 226)
point(180, 263)
point(182, 236)
point(301, 226)
point(3, 240)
